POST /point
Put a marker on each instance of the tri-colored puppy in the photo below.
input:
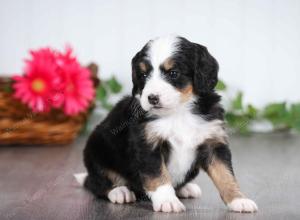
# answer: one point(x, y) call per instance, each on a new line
point(155, 142)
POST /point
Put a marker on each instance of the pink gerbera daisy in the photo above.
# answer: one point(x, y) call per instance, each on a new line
point(78, 88)
point(35, 87)
point(54, 79)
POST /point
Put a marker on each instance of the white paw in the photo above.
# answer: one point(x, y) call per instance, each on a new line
point(80, 177)
point(189, 190)
point(242, 205)
point(171, 204)
point(121, 194)
point(165, 200)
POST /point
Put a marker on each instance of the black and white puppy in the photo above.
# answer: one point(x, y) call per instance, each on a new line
point(155, 142)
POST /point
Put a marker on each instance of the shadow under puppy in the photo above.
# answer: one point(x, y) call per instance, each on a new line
point(155, 142)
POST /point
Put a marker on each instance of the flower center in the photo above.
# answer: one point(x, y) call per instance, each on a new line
point(38, 85)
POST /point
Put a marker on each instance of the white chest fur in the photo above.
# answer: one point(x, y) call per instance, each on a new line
point(185, 132)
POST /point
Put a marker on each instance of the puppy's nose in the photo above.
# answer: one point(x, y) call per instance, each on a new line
point(153, 99)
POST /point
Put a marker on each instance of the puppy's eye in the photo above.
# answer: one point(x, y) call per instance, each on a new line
point(173, 74)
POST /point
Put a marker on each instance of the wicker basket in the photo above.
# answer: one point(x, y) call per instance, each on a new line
point(19, 125)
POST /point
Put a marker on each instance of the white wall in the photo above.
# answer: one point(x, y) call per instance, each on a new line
point(257, 42)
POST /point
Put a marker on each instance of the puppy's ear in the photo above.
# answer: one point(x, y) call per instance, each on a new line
point(134, 74)
point(205, 70)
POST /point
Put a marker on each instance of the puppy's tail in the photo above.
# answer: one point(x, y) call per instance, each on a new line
point(80, 177)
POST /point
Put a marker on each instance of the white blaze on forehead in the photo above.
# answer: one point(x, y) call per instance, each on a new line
point(159, 50)
point(162, 48)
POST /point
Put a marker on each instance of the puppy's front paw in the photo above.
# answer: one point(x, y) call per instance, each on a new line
point(189, 190)
point(171, 204)
point(242, 205)
point(165, 200)
point(121, 195)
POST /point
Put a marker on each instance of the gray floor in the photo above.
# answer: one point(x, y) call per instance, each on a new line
point(37, 183)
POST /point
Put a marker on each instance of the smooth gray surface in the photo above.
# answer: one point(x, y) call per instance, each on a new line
point(37, 183)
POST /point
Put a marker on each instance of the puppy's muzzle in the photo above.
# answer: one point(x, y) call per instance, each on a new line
point(153, 99)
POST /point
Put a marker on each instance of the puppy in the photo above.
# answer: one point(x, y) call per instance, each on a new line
point(154, 142)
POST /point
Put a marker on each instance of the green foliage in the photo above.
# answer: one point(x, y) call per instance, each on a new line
point(106, 88)
point(221, 86)
point(114, 85)
point(239, 117)
point(8, 89)
point(294, 116)
point(252, 111)
point(239, 123)
point(277, 114)
point(237, 102)
point(283, 117)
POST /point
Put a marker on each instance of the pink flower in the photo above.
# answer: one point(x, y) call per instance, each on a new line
point(54, 80)
point(35, 88)
point(78, 87)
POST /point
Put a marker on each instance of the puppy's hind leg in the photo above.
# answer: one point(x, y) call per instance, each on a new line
point(189, 190)
point(119, 193)
point(111, 185)
point(99, 185)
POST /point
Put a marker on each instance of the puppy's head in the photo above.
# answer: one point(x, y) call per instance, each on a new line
point(170, 71)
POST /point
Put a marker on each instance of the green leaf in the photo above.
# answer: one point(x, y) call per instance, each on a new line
point(114, 85)
point(240, 123)
point(8, 88)
point(101, 93)
point(105, 89)
point(278, 115)
point(275, 111)
point(221, 86)
point(295, 110)
point(252, 111)
point(231, 119)
point(106, 105)
point(295, 116)
point(237, 102)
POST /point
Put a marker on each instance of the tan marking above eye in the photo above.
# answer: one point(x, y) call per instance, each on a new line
point(168, 64)
point(143, 66)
